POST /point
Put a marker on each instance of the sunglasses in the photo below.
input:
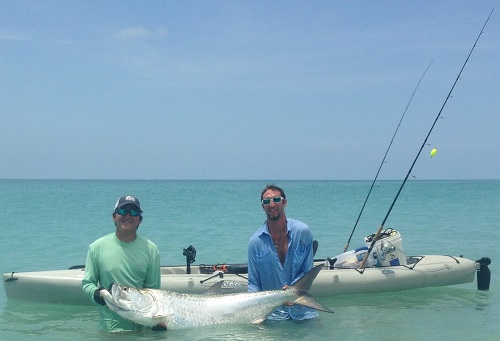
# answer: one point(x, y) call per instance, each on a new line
point(132, 212)
point(276, 200)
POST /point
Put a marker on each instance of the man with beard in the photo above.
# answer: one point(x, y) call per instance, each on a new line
point(279, 253)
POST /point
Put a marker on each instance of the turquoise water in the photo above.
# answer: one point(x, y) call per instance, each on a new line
point(48, 224)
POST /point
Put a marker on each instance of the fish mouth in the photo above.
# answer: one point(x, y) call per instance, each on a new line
point(116, 307)
point(110, 302)
point(113, 296)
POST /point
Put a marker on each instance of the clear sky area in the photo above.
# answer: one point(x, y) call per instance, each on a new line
point(278, 90)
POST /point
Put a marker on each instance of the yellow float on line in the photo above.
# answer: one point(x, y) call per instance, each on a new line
point(433, 152)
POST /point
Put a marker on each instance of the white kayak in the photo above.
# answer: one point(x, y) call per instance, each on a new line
point(64, 286)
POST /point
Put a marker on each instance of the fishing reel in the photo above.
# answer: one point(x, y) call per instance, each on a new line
point(385, 249)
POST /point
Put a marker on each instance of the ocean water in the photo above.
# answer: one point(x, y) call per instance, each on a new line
point(48, 224)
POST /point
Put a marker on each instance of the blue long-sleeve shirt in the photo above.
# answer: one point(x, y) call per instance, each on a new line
point(265, 271)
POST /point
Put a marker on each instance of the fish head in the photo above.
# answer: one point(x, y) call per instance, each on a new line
point(138, 305)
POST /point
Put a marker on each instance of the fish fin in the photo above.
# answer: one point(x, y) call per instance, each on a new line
point(305, 282)
point(259, 320)
point(303, 285)
point(307, 300)
point(215, 289)
point(157, 319)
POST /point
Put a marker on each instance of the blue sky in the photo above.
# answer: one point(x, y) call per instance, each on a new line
point(247, 89)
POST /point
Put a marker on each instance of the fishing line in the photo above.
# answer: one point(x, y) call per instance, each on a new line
point(377, 235)
point(383, 160)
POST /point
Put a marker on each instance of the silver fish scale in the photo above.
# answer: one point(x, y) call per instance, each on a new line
point(185, 311)
point(151, 306)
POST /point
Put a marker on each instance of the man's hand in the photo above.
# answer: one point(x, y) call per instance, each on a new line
point(98, 298)
point(159, 327)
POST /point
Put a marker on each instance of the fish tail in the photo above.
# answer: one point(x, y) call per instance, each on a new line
point(303, 285)
point(305, 282)
point(307, 300)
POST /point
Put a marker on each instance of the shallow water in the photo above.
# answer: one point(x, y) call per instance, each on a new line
point(50, 224)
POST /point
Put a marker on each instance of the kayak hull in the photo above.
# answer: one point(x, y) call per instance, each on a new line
point(64, 286)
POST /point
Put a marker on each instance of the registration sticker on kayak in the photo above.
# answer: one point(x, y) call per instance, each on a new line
point(233, 284)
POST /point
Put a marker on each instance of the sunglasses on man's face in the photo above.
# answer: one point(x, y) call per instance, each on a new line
point(132, 212)
point(276, 200)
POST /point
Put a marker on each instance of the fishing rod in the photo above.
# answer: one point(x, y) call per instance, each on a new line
point(383, 160)
point(377, 234)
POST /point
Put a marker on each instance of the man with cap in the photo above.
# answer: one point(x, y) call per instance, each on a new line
point(122, 257)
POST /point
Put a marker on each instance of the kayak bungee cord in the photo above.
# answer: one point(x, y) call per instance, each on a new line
point(383, 160)
point(377, 234)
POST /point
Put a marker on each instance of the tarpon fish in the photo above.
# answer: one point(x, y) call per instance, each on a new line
point(149, 307)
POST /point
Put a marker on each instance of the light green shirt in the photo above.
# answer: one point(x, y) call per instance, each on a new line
point(109, 260)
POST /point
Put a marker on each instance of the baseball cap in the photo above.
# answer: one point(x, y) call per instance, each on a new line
point(127, 200)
